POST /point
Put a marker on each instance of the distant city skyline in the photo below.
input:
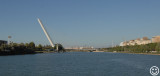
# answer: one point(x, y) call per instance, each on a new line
point(79, 22)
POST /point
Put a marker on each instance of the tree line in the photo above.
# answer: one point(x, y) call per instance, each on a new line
point(147, 48)
point(25, 48)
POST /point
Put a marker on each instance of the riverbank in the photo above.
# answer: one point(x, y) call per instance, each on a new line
point(134, 53)
point(142, 53)
point(6, 53)
point(150, 49)
point(45, 51)
point(99, 51)
point(36, 52)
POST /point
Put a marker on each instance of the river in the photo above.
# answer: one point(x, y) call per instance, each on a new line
point(78, 64)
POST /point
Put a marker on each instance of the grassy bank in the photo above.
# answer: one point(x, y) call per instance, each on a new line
point(152, 49)
point(133, 53)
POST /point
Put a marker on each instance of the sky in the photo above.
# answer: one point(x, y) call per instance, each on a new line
point(73, 23)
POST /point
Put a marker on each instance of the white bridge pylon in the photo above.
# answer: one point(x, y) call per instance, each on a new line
point(47, 35)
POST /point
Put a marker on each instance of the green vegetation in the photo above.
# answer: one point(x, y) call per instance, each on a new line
point(26, 48)
point(15, 48)
point(148, 48)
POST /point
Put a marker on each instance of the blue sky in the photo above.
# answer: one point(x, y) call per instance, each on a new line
point(79, 22)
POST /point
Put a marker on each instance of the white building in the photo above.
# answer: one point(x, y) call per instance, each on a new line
point(138, 41)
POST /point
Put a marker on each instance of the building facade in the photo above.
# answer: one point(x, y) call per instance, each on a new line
point(156, 39)
point(142, 41)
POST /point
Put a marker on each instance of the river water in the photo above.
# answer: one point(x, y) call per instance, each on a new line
point(78, 64)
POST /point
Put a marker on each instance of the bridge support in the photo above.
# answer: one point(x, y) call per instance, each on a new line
point(47, 35)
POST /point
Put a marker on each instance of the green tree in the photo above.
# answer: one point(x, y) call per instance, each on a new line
point(39, 47)
point(32, 45)
point(157, 48)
